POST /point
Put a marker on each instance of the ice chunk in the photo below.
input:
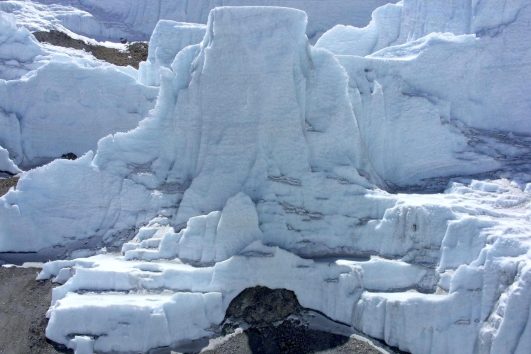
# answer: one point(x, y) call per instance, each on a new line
point(168, 38)
point(6, 164)
point(18, 49)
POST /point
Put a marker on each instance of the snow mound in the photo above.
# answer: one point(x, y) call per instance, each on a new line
point(64, 107)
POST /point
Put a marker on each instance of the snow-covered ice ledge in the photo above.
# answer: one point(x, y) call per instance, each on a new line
point(231, 184)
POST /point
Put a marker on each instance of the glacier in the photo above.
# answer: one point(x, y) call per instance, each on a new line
point(268, 161)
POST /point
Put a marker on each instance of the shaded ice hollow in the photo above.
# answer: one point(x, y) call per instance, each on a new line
point(229, 184)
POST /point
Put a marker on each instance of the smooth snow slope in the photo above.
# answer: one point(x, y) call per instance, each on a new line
point(52, 103)
point(228, 184)
point(136, 19)
point(431, 105)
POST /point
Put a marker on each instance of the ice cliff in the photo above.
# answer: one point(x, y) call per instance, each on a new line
point(440, 76)
point(263, 163)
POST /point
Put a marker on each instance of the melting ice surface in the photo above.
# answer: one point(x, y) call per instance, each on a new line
point(262, 164)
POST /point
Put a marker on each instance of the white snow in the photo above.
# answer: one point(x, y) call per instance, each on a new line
point(262, 164)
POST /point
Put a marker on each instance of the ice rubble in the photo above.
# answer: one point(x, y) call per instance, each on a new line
point(229, 184)
point(136, 19)
point(52, 103)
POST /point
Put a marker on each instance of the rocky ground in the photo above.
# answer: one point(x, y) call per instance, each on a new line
point(6, 183)
point(290, 338)
point(135, 53)
point(23, 305)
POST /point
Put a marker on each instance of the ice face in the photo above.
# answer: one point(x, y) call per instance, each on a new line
point(406, 87)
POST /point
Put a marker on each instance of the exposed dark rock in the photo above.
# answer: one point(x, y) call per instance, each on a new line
point(136, 51)
point(69, 156)
point(6, 183)
point(289, 337)
point(261, 306)
point(274, 323)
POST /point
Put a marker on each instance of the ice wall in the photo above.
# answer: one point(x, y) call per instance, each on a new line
point(431, 104)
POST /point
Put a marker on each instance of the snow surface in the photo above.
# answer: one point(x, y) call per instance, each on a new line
point(136, 19)
point(229, 184)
